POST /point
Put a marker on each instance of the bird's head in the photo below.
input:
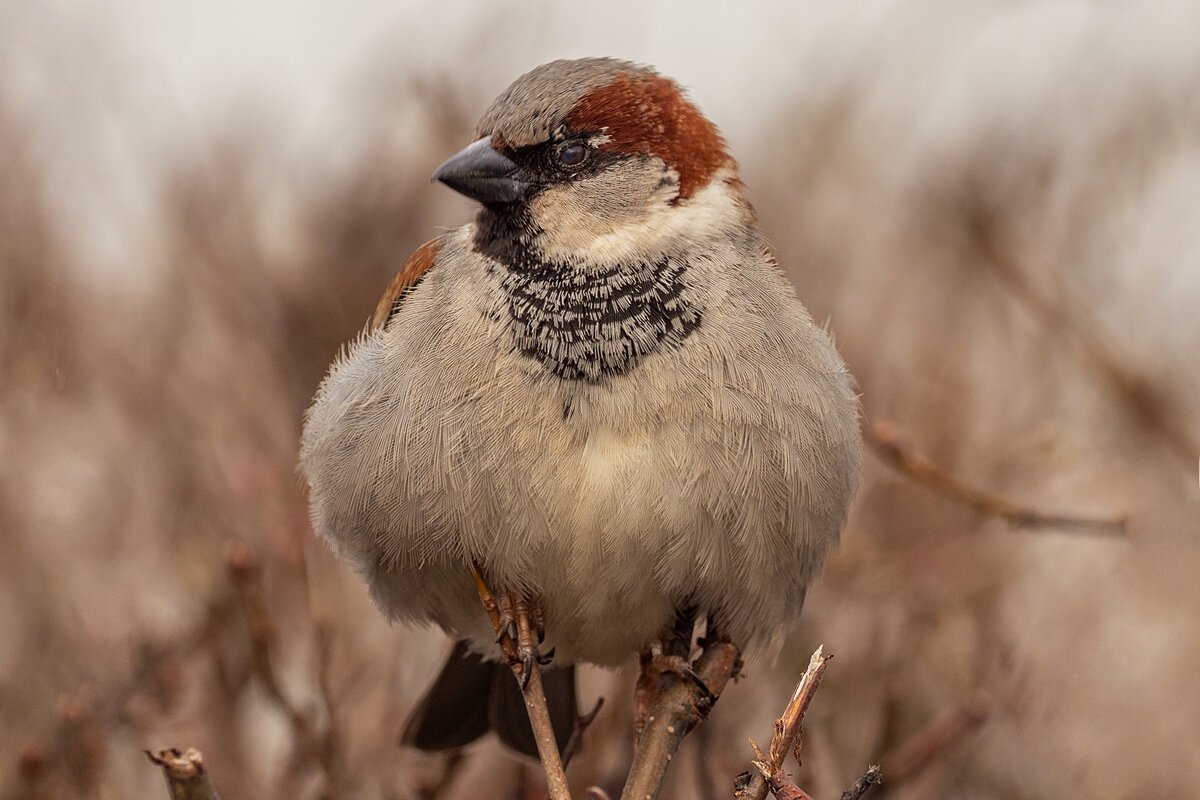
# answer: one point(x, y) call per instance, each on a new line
point(596, 160)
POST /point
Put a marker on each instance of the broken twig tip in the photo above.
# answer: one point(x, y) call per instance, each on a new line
point(872, 777)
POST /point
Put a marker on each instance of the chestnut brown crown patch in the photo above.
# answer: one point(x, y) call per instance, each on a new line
point(647, 113)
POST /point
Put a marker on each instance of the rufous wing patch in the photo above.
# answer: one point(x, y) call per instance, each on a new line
point(650, 114)
point(404, 282)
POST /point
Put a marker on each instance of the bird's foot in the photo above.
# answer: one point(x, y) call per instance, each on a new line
point(681, 667)
point(519, 623)
point(670, 664)
point(520, 629)
point(650, 683)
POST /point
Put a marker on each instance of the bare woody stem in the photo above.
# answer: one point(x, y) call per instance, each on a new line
point(187, 777)
point(532, 692)
point(872, 777)
point(787, 731)
point(679, 707)
point(890, 446)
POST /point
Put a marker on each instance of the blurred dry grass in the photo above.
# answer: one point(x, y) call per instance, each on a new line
point(1011, 267)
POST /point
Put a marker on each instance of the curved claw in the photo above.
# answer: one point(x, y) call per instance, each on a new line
point(655, 666)
point(508, 627)
point(530, 659)
point(528, 662)
point(508, 618)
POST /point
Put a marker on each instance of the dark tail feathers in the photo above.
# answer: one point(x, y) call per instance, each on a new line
point(472, 696)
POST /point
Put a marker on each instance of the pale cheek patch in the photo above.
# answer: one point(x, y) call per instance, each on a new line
point(616, 218)
point(574, 215)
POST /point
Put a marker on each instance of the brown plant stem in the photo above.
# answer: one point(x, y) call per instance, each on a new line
point(582, 723)
point(678, 708)
point(786, 734)
point(787, 737)
point(531, 691)
point(186, 775)
point(886, 441)
point(941, 733)
point(783, 788)
point(314, 745)
point(872, 777)
point(1066, 317)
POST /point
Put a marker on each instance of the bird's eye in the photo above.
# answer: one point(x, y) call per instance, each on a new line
point(571, 154)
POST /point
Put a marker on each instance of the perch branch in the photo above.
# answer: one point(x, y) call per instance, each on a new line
point(890, 446)
point(679, 707)
point(187, 777)
point(786, 735)
point(531, 690)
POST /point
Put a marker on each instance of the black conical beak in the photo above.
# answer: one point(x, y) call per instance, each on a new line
point(482, 174)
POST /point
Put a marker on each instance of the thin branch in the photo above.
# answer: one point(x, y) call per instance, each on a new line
point(75, 747)
point(786, 738)
point(582, 723)
point(783, 788)
point(330, 744)
point(941, 733)
point(186, 775)
point(681, 705)
point(245, 572)
point(891, 446)
point(1142, 397)
point(531, 688)
point(871, 777)
point(786, 735)
point(451, 769)
point(313, 745)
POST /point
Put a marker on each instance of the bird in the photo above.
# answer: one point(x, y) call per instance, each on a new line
point(601, 393)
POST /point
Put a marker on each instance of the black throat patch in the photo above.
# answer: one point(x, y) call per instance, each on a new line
point(586, 323)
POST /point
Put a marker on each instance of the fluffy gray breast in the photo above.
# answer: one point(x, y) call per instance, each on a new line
point(431, 438)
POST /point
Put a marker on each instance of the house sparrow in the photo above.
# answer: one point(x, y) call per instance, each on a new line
point(602, 392)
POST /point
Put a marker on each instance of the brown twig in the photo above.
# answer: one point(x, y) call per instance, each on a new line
point(451, 769)
point(582, 723)
point(314, 746)
point(330, 742)
point(783, 788)
point(942, 732)
point(703, 762)
point(1142, 397)
point(786, 734)
point(75, 748)
point(871, 777)
point(187, 777)
point(245, 572)
point(531, 688)
point(679, 707)
point(889, 444)
point(768, 774)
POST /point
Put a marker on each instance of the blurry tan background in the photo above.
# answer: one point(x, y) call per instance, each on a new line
point(995, 205)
